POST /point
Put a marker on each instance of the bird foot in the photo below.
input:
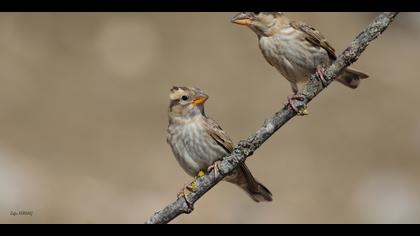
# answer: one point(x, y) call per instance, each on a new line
point(189, 188)
point(186, 191)
point(215, 167)
point(300, 109)
point(320, 72)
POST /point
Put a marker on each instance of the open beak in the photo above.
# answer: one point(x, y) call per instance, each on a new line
point(241, 19)
point(199, 100)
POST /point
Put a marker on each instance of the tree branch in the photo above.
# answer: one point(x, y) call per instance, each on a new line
point(247, 147)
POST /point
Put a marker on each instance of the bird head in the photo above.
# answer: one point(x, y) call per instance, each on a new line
point(186, 102)
point(261, 23)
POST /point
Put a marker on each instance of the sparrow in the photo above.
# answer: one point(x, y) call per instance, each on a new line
point(295, 49)
point(199, 143)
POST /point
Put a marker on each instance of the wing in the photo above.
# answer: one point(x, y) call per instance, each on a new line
point(218, 135)
point(314, 37)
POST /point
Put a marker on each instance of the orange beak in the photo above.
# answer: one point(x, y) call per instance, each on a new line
point(241, 19)
point(199, 100)
point(242, 22)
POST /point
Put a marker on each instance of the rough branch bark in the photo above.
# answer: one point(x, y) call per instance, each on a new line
point(247, 147)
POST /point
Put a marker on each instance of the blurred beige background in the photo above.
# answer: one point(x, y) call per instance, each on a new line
point(83, 116)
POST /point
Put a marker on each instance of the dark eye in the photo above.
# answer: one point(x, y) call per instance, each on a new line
point(185, 98)
point(256, 13)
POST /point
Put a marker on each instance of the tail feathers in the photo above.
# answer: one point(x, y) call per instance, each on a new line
point(261, 195)
point(351, 77)
point(244, 179)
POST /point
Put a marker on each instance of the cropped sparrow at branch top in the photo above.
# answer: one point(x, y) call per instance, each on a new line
point(296, 50)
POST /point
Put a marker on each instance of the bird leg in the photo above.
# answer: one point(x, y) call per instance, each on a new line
point(215, 167)
point(320, 72)
point(300, 110)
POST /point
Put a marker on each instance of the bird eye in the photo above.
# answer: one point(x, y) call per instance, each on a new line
point(256, 13)
point(185, 98)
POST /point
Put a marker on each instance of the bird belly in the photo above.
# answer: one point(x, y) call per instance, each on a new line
point(192, 149)
point(295, 60)
point(293, 72)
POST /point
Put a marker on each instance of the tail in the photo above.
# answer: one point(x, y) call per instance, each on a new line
point(244, 179)
point(351, 77)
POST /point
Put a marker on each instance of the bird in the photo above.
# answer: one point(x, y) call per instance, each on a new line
point(199, 143)
point(296, 49)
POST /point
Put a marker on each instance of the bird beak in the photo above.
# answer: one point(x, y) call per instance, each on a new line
point(241, 19)
point(200, 100)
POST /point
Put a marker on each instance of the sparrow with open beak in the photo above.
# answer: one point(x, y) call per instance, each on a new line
point(199, 143)
point(295, 49)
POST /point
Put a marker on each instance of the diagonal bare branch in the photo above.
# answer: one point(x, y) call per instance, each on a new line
point(247, 147)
